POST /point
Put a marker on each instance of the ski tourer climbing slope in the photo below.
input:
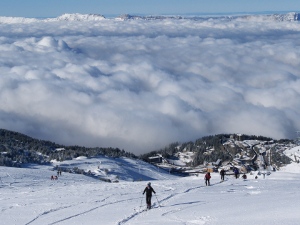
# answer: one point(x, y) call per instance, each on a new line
point(222, 173)
point(207, 179)
point(148, 190)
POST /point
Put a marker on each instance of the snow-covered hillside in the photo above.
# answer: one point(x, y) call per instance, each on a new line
point(28, 196)
point(294, 154)
point(113, 169)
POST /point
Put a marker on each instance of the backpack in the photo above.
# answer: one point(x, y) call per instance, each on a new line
point(207, 176)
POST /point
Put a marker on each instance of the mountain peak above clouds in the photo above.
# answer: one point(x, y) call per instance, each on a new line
point(64, 17)
point(292, 16)
point(80, 17)
point(136, 17)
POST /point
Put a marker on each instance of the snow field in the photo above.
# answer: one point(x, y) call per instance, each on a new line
point(28, 196)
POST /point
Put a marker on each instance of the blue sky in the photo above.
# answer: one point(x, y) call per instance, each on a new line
point(53, 8)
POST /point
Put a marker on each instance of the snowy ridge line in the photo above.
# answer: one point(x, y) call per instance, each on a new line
point(292, 16)
point(78, 17)
point(65, 17)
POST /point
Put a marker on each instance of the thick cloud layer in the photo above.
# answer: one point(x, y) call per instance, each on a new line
point(142, 84)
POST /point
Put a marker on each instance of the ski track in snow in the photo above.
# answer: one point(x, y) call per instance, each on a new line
point(165, 200)
point(77, 214)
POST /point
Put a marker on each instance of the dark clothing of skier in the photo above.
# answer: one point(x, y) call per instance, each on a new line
point(236, 172)
point(148, 190)
point(207, 178)
point(222, 173)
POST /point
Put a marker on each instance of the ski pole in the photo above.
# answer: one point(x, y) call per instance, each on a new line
point(141, 204)
point(157, 200)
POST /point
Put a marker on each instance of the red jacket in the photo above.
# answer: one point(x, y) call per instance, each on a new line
point(207, 176)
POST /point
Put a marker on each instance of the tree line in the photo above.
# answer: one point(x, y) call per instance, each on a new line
point(211, 148)
point(17, 149)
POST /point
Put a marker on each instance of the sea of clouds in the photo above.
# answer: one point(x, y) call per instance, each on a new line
point(140, 85)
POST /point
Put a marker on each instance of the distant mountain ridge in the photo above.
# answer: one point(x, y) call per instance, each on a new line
point(79, 17)
point(17, 149)
point(287, 17)
point(292, 16)
point(246, 152)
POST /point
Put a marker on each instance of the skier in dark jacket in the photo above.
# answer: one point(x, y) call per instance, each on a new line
point(236, 172)
point(149, 191)
point(222, 173)
point(207, 178)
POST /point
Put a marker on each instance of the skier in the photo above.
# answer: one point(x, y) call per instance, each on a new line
point(149, 191)
point(222, 173)
point(236, 172)
point(207, 178)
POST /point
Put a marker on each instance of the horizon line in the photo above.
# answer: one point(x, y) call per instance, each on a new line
point(112, 15)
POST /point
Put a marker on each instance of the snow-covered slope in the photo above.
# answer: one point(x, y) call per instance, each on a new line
point(114, 169)
point(294, 154)
point(28, 196)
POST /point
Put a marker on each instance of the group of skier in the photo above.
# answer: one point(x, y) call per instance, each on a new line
point(149, 190)
point(222, 173)
point(208, 176)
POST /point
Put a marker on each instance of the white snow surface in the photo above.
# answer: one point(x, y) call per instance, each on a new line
point(294, 154)
point(28, 196)
point(115, 168)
